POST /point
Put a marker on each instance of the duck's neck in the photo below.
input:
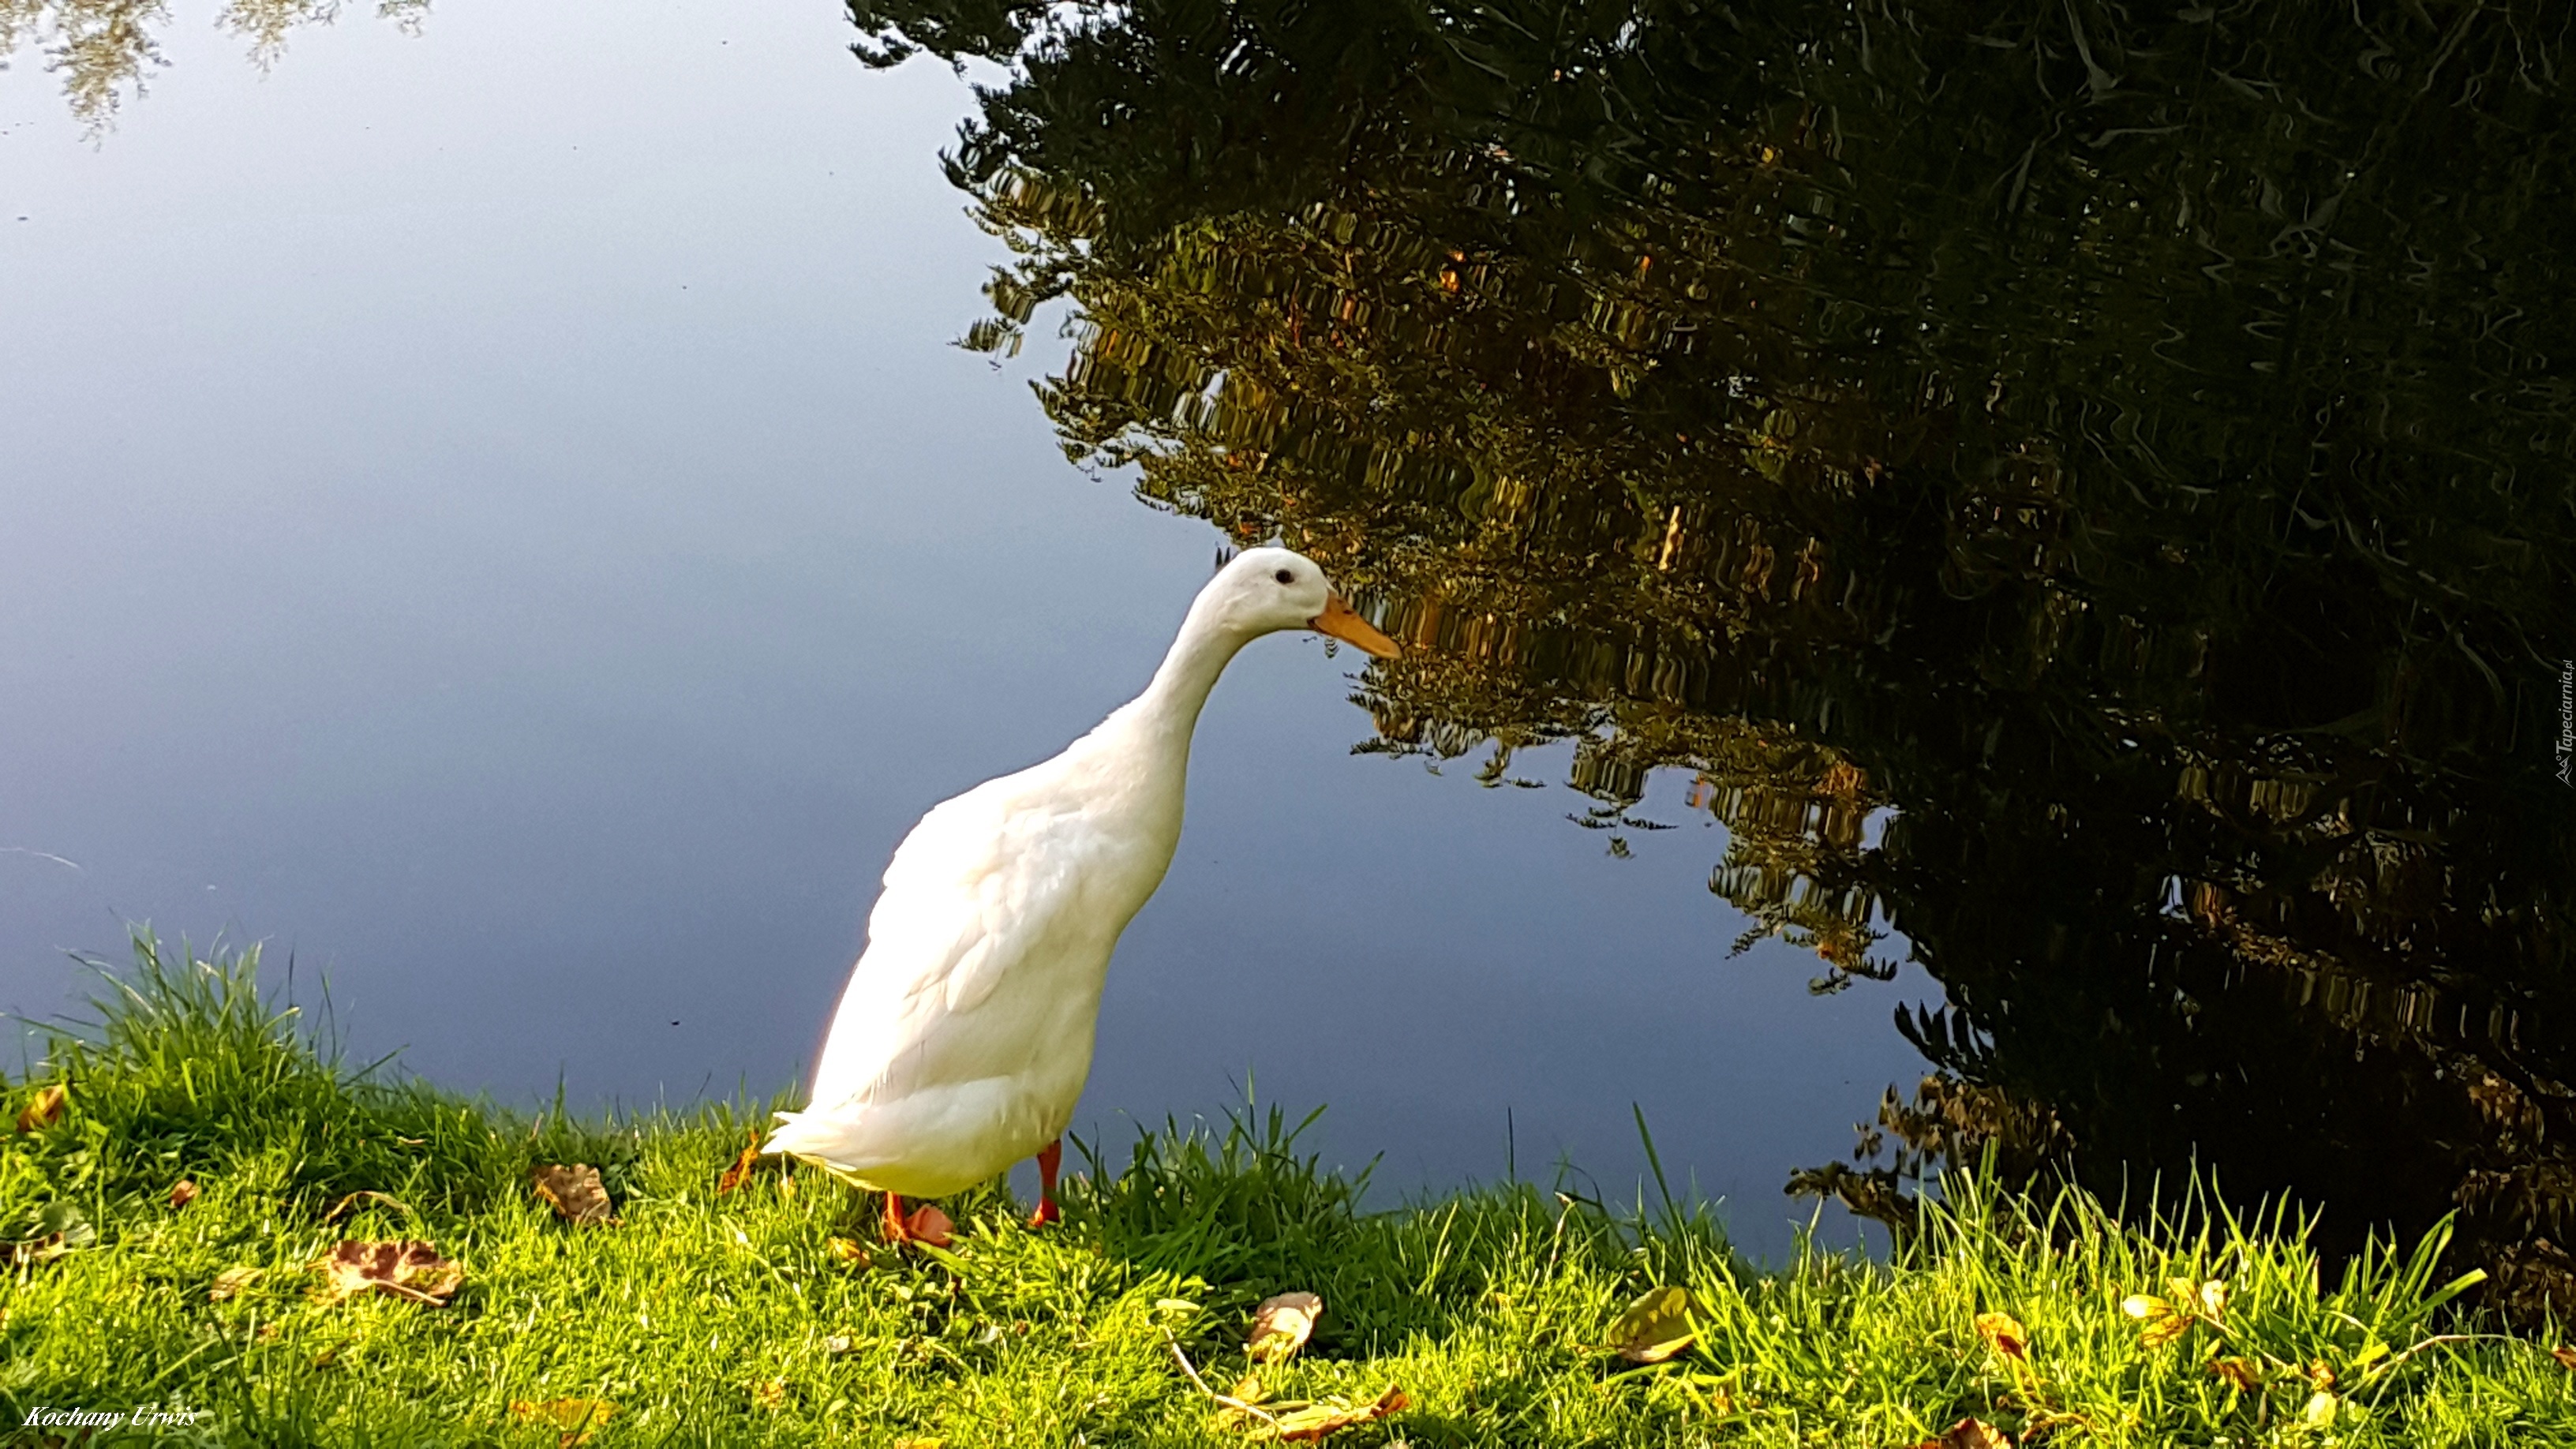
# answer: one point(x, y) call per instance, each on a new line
point(1167, 713)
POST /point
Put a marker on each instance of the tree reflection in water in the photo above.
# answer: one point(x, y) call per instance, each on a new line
point(2128, 456)
point(106, 50)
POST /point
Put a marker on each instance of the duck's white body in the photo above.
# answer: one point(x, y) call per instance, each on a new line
point(965, 1035)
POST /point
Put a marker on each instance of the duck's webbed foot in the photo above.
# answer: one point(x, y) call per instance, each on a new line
point(924, 1224)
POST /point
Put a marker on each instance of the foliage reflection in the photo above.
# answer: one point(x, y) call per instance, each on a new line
point(108, 49)
point(2127, 456)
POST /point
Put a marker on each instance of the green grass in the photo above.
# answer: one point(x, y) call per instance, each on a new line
point(729, 1319)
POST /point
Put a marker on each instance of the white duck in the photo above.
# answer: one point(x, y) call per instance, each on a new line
point(965, 1034)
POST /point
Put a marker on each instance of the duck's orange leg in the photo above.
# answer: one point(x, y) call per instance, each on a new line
point(895, 1232)
point(1050, 1157)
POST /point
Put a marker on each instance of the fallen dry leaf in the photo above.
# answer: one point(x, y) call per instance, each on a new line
point(185, 1193)
point(2004, 1334)
point(45, 1111)
point(770, 1393)
point(2566, 1358)
point(232, 1281)
point(1280, 1326)
point(1970, 1434)
point(850, 1250)
point(37, 1250)
point(1655, 1327)
point(1248, 1389)
point(2244, 1373)
point(2320, 1411)
point(1317, 1420)
point(404, 1269)
point(577, 1418)
point(734, 1175)
point(916, 1444)
point(574, 1193)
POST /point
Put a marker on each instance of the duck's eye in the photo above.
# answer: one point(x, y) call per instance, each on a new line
point(1285, 577)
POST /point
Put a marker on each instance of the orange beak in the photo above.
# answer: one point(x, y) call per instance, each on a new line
point(1341, 621)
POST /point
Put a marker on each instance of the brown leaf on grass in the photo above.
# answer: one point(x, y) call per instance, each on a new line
point(1317, 1420)
point(404, 1269)
point(185, 1193)
point(2244, 1373)
point(2004, 1334)
point(574, 1193)
point(2566, 1358)
point(577, 1418)
point(1655, 1327)
point(770, 1393)
point(852, 1252)
point(37, 1250)
point(45, 1111)
point(741, 1169)
point(1280, 1327)
point(1970, 1434)
point(231, 1282)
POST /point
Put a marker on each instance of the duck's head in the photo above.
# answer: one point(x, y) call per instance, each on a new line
point(1265, 590)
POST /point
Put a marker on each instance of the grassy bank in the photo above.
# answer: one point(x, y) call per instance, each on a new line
point(769, 1314)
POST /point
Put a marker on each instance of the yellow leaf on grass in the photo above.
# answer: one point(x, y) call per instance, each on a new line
point(2213, 1298)
point(577, 1418)
point(1248, 1389)
point(770, 1394)
point(849, 1250)
point(1280, 1326)
point(2320, 1411)
point(574, 1192)
point(2243, 1373)
point(341, 1208)
point(45, 1111)
point(2004, 1334)
point(1317, 1420)
point(232, 1281)
point(1655, 1327)
point(1970, 1434)
point(404, 1269)
point(2160, 1322)
point(2157, 1335)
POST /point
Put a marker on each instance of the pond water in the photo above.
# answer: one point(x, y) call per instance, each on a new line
point(2061, 536)
point(496, 516)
